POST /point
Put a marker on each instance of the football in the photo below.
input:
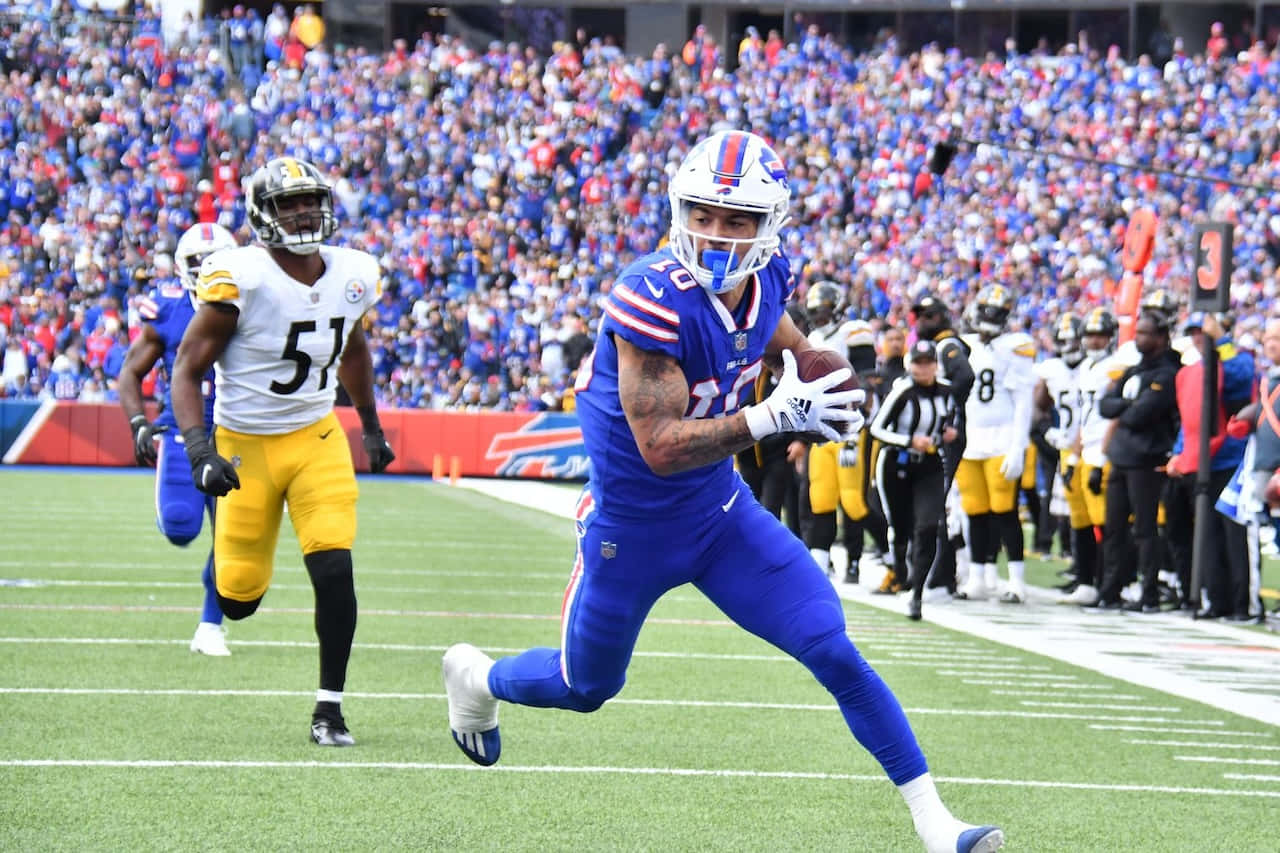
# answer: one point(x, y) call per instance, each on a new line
point(813, 364)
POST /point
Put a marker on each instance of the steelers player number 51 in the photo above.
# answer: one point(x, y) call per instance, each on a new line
point(1211, 279)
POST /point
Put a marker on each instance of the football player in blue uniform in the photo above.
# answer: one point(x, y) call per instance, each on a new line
point(685, 333)
point(180, 506)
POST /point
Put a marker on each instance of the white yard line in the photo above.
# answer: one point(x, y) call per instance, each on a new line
point(1202, 745)
point(1159, 652)
point(662, 703)
point(418, 766)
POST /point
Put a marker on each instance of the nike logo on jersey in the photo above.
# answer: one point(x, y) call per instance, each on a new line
point(325, 434)
point(656, 291)
point(727, 506)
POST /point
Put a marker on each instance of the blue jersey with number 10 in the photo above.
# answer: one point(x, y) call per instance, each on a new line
point(168, 310)
point(656, 305)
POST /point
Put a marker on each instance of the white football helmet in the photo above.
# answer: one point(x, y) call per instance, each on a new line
point(196, 244)
point(736, 170)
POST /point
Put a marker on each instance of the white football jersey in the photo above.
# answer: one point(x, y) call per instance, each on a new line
point(1064, 389)
point(1003, 372)
point(1094, 376)
point(834, 339)
point(279, 370)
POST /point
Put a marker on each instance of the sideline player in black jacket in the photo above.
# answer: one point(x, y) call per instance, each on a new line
point(1143, 402)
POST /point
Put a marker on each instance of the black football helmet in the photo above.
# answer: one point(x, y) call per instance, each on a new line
point(824, 303)
point(1066, 337)
point(301, 231)
point(1160, 301)
point(992, 309)
point(1099, 321)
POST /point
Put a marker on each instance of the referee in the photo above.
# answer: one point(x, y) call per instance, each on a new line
point(912, 424)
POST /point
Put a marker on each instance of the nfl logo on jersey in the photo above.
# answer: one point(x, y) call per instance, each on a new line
point(740, 341)
point(608, 550)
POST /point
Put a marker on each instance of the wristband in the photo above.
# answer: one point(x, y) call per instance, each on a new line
point(197, 443)
point(760, 421)
point(369, 418)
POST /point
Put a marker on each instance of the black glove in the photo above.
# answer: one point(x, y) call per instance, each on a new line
point(375, 443)
point(380, 453)
point(144, 435)
point(1068, 474)
point(1095, 481)
point(212, 474)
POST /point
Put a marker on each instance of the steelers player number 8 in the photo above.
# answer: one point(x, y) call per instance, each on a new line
point(303, 359)
point(986, 385)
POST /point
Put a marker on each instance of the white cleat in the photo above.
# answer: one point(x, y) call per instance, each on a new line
point(210, 639)
point(1084, 595)
point(473, 710)
point(974, 589)
point(936, 595)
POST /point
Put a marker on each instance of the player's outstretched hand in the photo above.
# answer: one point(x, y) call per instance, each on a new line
point(144, 439)
point(211, 474)
point(380, 453)
point(799, 406)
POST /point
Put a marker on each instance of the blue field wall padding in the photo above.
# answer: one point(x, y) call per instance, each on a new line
point(14, 415)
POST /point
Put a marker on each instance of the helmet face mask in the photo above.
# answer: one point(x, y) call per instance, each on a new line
point(734, 171)
point(1098, 324)
point(275, 213)
point(1066, 337)
point(991, 310)
point(197, 243)
point(824, 303)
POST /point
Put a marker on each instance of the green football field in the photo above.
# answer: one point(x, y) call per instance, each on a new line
point(115, 737)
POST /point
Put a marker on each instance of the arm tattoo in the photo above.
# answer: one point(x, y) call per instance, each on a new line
point(657, 403)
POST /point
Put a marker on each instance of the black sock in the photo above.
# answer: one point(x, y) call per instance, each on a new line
point(335, 613)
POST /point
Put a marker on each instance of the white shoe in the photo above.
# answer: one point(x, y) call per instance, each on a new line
point(1014, 593)
point(473, 710)
point(210, 639)
point(935, 594)
point(975, 589)
point(1084, 595)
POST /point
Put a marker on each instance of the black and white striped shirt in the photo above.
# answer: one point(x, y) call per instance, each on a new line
point(910, 410)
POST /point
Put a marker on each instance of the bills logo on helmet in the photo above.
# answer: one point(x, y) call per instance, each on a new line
point(772, 164)
point(550, 446)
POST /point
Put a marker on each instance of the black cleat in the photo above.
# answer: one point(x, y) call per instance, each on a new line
point(328, 728)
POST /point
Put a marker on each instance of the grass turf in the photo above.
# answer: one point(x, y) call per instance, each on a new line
point(717, 743)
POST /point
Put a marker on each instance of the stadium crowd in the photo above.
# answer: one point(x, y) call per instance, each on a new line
point(502, 189)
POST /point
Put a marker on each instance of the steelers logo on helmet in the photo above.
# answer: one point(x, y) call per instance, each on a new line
point(1099, 321)
point(1066, 337)
point(290, 206)
point(1159, 301)
point(991, 309)
point(824, 303)
point(738, 171)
